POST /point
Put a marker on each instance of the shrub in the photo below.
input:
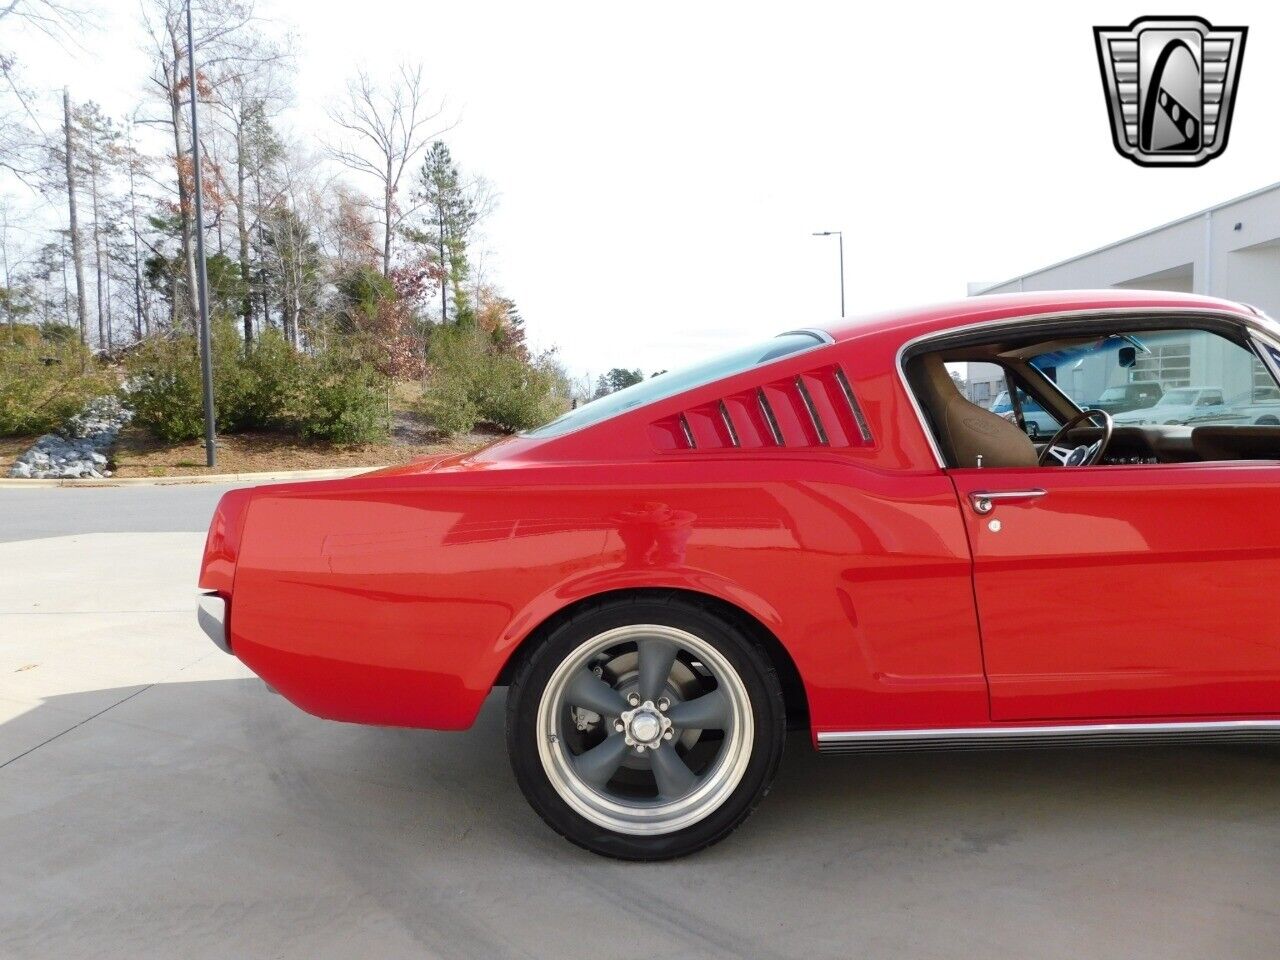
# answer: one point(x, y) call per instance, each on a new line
point(472, 381)
point(21, 335)
point(334, 397)
point(256, 392)
point(163, 388)
point(59, 333)
point(447, 401)
point(516, 395)
point(342, 400)
point(43, 383)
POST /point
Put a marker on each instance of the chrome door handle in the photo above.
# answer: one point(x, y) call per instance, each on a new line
point(984, 501)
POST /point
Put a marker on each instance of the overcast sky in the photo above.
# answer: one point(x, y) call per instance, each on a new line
point(661, 166)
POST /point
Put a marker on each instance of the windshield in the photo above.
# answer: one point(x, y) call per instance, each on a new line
point(1177, 398)
point(666, 385)
point(1174, 368)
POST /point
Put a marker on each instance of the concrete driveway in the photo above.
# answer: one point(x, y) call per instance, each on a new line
point(157, 801)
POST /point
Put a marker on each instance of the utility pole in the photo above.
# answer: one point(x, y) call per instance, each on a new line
point(76, 255)
point(202, 279)
point(840, 235)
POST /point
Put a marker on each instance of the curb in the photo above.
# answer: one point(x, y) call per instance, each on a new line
point(271, 476)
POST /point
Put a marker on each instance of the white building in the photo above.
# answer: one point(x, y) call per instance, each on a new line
point(1231, 250)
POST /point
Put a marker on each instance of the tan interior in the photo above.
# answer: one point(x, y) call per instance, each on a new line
point(964, 430)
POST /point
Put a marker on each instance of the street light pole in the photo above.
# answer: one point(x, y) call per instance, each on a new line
point(202, 279)
point(839, 234)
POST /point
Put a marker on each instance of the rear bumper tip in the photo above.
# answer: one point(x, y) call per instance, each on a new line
point(211, 614)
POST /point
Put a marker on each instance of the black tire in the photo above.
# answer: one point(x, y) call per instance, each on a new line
point(746, 657)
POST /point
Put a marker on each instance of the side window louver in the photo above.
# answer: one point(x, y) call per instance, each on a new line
point(817, 408)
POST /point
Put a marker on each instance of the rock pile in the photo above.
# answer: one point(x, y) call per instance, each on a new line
point(77, 451)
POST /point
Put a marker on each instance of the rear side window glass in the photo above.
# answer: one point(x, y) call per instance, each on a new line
point(669, 384)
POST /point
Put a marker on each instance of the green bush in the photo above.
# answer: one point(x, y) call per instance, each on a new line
point(334, 396)
point(163, 388)
point(447, 401)
point(470, 381)
point(256, 392)
point(516, 395)
point(44, 382)
point(342, 400)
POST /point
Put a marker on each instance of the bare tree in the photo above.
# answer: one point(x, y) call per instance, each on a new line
point(21, 134)
point(6, 258)
point(19, 149)
point(348, 235)
point(290, 251)
point(246, 103)
point(135, 163)
point(13, 257)
point(386, 130)
point(54, 18)
point(76, 255)
point(99, 154)
point(226, 46)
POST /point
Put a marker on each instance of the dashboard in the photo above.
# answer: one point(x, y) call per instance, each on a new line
point(1175, 444)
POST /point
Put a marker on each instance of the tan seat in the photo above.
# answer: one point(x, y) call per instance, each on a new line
point(964, 430)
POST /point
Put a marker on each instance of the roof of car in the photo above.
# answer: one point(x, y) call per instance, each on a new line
point(926, 319)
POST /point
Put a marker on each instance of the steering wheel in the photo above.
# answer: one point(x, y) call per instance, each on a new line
point(1082, 456)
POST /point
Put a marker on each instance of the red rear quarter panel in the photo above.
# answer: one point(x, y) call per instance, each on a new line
point(398, 600)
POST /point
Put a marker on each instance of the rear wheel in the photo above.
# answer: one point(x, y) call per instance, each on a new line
point(645, 728)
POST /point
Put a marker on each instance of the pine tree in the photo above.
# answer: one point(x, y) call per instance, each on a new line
point(450, 216)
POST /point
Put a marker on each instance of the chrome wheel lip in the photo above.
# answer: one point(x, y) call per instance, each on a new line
point(634, 817)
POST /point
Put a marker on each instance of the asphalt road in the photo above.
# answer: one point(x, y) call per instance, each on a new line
point(57, 511)
point(157, 801)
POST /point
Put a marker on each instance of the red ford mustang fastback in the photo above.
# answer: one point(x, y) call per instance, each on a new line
point(823, 530)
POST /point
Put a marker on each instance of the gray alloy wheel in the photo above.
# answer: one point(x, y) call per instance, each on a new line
point(644, 729)
point(647, 725)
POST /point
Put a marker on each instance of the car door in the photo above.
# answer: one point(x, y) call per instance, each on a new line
point(1116, 592)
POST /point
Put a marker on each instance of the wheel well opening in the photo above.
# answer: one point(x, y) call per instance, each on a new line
point(794, 697)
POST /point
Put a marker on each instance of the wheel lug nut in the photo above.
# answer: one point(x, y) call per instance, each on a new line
point(617, 725)
point(668, 735)
point(639, 748)
point(634, 700)
point(664, 704)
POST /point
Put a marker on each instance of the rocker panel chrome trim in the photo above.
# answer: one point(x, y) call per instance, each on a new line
point(1074, 735)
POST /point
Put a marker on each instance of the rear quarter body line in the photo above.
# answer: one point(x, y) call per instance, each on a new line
point(401, 604)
